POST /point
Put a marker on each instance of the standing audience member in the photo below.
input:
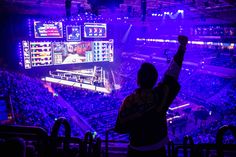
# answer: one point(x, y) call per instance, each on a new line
point(143, 113)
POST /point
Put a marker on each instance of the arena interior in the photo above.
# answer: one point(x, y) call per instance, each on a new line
point(73, 62)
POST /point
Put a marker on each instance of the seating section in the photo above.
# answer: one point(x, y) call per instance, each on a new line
point(32, 103)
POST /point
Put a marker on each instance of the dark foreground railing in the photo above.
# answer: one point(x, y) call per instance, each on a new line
point(91, 145)
point(44, 145)
point(189, 149)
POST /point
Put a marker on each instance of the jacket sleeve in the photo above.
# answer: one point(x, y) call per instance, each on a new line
point(169, 87)
point(173, 89)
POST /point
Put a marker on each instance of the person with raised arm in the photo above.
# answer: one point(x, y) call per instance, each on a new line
point(143, 113)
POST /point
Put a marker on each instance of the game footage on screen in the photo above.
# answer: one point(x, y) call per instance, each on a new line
point(70, 52)
point(73, 33)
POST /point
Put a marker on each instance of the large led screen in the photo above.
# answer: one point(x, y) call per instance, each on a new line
point(59, 53)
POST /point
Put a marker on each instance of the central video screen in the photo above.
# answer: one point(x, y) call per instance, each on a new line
point(72, 52)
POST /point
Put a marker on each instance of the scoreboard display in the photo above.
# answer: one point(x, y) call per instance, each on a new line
point(37, 54)
point(95, 30)
point(48, 30)
point(58, 53)
point(41, 53)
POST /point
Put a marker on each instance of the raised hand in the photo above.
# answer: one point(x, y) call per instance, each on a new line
point(183, 40)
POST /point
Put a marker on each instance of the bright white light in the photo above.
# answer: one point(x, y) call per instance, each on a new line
point(175, 117)
point(180, 11)
point(181, 106)
point(209, 43)
point(198, 42)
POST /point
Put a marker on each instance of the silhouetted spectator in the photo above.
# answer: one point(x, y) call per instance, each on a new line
point(143, 113)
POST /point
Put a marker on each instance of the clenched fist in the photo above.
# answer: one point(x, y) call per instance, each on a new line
point(183, 40)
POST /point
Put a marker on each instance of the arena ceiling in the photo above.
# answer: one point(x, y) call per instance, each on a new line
point(221, 9)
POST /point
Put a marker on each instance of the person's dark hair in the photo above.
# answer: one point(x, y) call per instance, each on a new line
point(147, 76)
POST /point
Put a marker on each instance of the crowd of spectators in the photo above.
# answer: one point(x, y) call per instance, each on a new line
point(213, 30)
point(34, 105)
point(100, 110)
